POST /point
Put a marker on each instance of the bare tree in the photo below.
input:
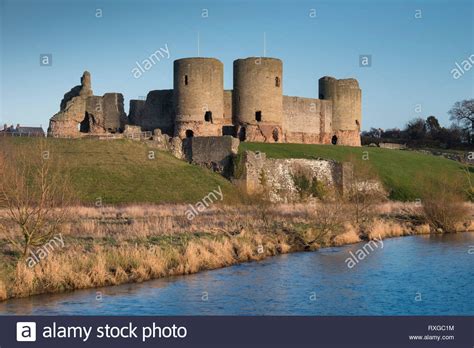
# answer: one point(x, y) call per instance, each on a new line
point(463, 112)
point(416, 129)
point(329, 219)
point(363, 190)
point(34, 193)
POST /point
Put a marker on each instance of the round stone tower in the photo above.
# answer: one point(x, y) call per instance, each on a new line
point(258, 98)
point(198, 97)
point(345, 95)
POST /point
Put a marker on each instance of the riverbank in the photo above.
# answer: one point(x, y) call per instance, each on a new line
point(115, 245)
point(396, 278)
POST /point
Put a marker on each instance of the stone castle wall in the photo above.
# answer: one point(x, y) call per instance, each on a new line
point(307, 120)
point(347, 137)
point(255, 110)
point(157, 111)
point(228, 107)
point(275, 178)
point(216, 153)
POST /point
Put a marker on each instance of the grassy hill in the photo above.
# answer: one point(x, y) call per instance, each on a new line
point(403, 173)
point(119, 171)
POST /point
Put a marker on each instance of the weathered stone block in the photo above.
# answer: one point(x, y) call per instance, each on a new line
point(132, 132)
point(164, 142)
point(114, 116)
point(212, 152)
point(157, 111)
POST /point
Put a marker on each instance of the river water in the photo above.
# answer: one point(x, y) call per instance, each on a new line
point(419, 275)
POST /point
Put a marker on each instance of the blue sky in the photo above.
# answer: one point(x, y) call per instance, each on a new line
point(412, 58)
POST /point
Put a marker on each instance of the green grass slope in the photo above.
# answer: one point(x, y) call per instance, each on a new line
point(120, 171)
point(403, 173)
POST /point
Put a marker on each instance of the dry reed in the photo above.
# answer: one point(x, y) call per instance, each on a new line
point(108, 246)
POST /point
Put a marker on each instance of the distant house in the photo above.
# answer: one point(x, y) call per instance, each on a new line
point(22, 131)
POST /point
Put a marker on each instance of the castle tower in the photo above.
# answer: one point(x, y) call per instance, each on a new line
point(345, 95)
point(258, 99)
point(198, 97)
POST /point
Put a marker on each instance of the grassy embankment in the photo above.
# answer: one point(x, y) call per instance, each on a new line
point(121, 172)
point(403, 173)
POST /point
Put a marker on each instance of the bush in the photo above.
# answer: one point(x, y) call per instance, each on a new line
point(443, 205)
point(317, 188)
point(308, 185)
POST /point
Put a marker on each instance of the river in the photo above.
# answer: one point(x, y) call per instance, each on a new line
point(417, 275)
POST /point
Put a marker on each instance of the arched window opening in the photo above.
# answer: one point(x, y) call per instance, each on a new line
point(84, 126)
point(275, 134)
point(334, 140)
point(208, 116)
point(189, 133)
point(242, 134)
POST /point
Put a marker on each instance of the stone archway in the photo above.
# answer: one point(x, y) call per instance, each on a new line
point(242, 134)
point(85, 124)
point(334, 140)
point(275, 135)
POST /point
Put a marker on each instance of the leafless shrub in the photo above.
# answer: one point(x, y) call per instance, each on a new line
point(330, 219)
point(363, 191)
point(33, 191)
point(443, 204)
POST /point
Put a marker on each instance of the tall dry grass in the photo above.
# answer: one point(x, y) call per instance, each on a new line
point(106, 265)
point(108, 246)
point(3, 291)
point(350, 236)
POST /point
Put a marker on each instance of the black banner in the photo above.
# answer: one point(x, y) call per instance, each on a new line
point(206, 331)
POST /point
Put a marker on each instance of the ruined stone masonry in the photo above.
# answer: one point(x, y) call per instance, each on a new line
point(215, 153)
point(255, 174)
point(254, 110)
point(280, 180)
point(82, 113)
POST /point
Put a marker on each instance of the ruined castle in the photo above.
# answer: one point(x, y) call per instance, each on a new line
point(254, 110)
